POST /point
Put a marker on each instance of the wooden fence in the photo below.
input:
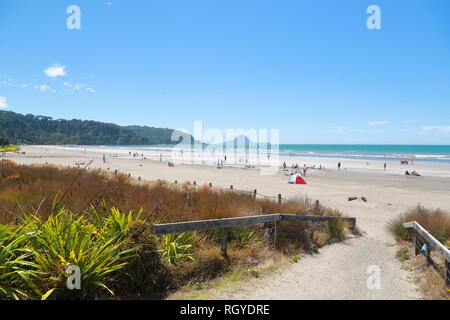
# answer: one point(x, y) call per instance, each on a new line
point(224, 224)
point(431, 243)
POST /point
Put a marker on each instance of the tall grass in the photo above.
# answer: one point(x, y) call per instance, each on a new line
point(35, 189)
point(437, 222)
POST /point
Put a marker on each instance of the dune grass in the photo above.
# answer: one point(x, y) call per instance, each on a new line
point(437, 222)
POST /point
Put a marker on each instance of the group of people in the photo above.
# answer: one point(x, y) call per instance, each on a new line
point(136, 155)
point(412, 173)
point(294, 169)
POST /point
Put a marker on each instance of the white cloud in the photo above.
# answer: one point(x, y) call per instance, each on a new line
point(45, 88)
point(339, 129)
point(78, 87)
point(109, 3)
point(24, 85)
point(429, 128)
point(8, 82)
point(75, 86)
point(378, 123)
point(3, 103)
point(443, 129)
point(55, 70)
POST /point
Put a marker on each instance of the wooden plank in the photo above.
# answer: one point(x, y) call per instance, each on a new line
point(429, 239)
point(296, 217)
point(190, 226)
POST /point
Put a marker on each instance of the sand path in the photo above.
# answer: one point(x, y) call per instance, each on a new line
point(339, 271)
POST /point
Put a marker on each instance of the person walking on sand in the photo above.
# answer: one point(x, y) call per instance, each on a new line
point(339, 165)
point(385, 166)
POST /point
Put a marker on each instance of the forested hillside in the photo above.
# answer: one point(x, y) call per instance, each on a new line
point(30, 129)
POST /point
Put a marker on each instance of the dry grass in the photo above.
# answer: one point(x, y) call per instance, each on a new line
point(30, 189)
point(437, 222)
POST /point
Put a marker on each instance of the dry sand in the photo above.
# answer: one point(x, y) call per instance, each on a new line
point(340, 270)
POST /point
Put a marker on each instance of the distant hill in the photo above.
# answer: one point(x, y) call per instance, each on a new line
point(31, 129)
point(240, 141)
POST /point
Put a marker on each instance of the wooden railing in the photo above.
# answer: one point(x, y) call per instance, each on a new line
point(431, 243)
point(224, 224)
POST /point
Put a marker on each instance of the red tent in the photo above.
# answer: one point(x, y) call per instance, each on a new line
point(296, 179)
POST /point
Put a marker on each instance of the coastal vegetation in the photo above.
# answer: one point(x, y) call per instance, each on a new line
point(42, 130)
point(4, 142)
point(436, 222)
point(52, 218)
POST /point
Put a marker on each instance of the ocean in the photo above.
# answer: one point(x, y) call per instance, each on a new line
point(369, 151)
point(361, 151)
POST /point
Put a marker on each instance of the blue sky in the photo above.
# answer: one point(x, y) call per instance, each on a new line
point(309, 68)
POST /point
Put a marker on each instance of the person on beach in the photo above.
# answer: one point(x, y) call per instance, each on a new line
point(339, 165)
point(385, 166)
point(104, 159)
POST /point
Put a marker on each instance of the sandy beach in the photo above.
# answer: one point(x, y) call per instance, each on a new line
point(389, 192)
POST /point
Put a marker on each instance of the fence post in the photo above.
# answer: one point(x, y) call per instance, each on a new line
point(276, 231)
point(279, 198)
point(210, 185)
point(317, 206)
point(231, 187)
point(428, 254)
point(353, 225)
point(254, 193)
point(447, 272)
point(416, 242)
point(195, 183)
point(115, 171)
point(310, 232)
point(176, 182)
point(223, 245)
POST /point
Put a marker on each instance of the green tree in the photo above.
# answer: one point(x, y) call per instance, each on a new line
point(4, 142)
